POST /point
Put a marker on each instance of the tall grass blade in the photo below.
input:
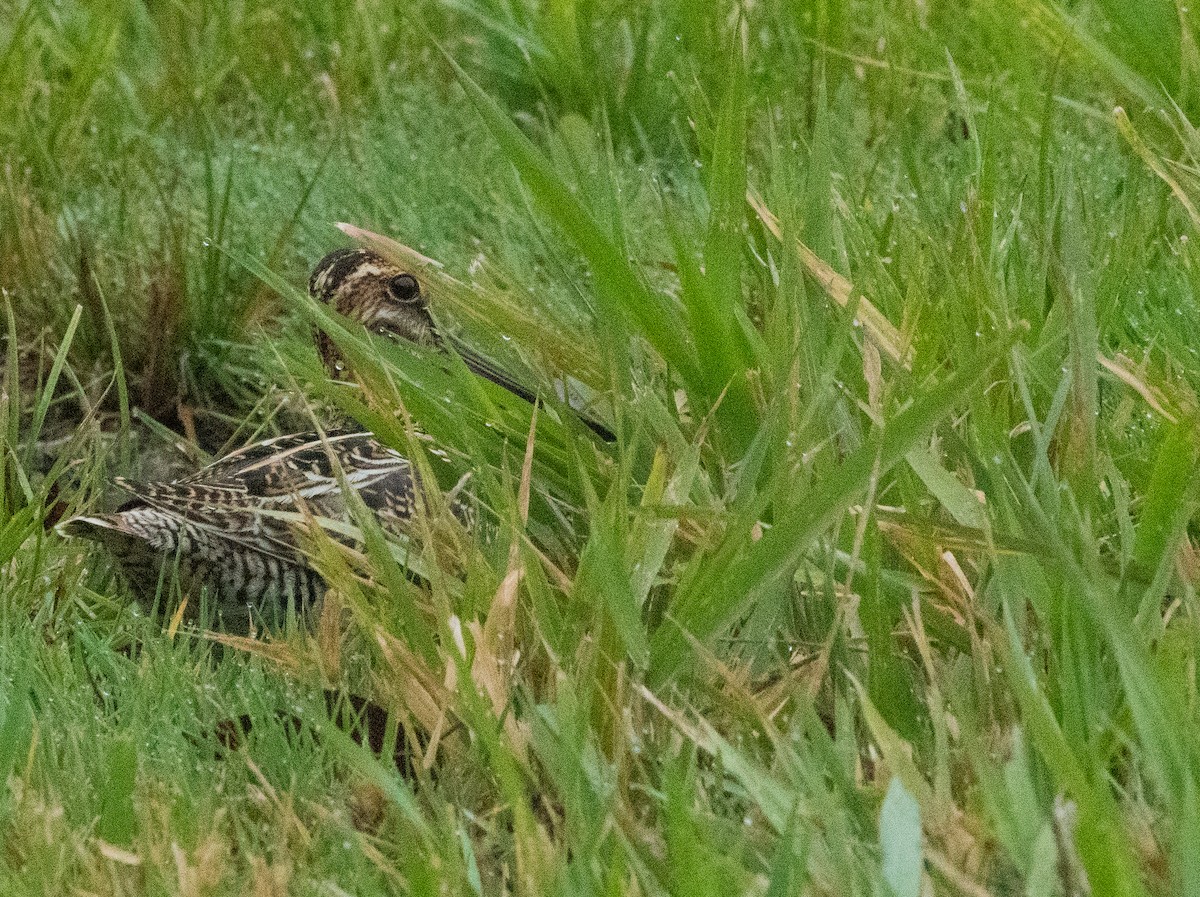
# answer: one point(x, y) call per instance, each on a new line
point(622, 295)
point(726, 589)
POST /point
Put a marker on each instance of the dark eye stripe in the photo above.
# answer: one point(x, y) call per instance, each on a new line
point(334, 268)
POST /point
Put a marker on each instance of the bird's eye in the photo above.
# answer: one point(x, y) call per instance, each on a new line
point(404, 288)
point(382, 330)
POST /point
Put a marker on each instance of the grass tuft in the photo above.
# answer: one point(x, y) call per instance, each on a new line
point(886, 583)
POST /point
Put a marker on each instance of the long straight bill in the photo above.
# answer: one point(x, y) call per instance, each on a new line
point(486, 369)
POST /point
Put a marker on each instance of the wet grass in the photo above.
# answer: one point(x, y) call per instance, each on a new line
point(886, 584)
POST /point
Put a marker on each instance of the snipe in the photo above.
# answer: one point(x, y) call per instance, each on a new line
point(231, 528)
point(366, 287)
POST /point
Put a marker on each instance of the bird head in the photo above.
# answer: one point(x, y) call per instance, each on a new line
point(365, 287)
point(368, 289)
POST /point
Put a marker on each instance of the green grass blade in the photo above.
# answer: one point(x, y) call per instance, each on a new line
point(726, 590)
point(621, 293)
point(118, 819)
point(56, 369)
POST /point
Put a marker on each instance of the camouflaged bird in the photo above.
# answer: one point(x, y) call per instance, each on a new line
point(364, 286)
point(231, 528)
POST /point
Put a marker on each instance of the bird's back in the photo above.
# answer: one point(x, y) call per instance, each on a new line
point(231, 527)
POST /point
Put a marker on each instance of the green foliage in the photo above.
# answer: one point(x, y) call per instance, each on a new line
point(887, 583)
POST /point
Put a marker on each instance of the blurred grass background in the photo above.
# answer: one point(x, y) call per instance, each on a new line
point(886, 586)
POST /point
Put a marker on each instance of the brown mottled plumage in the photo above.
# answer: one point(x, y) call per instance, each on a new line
point(231, 527)
point(367, 288)
point(370, 290)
